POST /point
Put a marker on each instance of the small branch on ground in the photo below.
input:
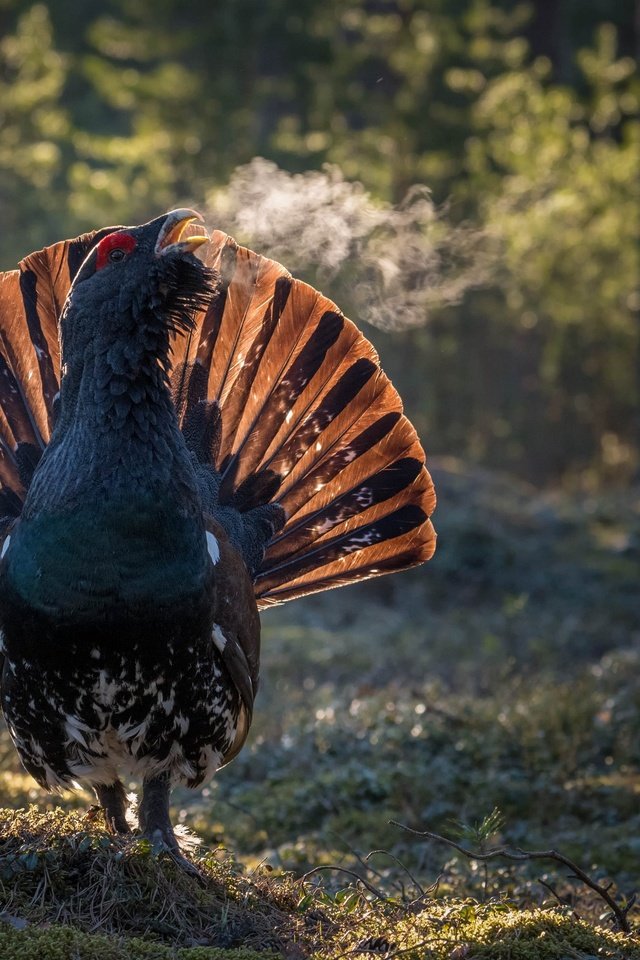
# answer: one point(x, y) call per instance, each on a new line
point(387, 853)
point(350, 873)
point(619, 911)
point(563, 901)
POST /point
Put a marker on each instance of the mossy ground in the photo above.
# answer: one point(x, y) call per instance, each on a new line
point(70, 890)
point(505, 674)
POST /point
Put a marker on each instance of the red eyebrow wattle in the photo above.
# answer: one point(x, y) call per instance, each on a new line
point(123, 241)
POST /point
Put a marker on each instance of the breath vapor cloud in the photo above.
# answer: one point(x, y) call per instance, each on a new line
point(388, 265)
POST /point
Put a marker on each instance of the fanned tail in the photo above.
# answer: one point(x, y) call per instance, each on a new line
point(304, 417)
point(280, 398)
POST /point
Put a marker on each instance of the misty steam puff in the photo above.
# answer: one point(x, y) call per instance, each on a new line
point(388, 265)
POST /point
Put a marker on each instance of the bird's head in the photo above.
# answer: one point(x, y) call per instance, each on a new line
point(138, 284)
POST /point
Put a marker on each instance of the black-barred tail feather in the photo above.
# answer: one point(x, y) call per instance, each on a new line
point(297, 435)
point(308, 420)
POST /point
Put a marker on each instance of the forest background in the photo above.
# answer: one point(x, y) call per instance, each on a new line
point(520, 118)
point(461, 176)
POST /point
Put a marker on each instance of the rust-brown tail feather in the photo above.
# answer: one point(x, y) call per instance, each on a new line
point(309, 420)
point(276, 389)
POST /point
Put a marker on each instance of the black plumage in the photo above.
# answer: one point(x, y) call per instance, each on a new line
point(220, 437)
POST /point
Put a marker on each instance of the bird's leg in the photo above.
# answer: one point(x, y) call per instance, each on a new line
point(113, 800)
point(155, 824)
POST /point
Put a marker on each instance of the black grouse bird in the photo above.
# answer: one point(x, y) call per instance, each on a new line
point(182, 441)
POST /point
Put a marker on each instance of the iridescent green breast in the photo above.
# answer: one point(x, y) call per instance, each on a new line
point(125, 552)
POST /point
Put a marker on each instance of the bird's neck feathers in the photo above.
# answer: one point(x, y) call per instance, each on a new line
point(113, 517)
point(117, 428)
point(116, 389)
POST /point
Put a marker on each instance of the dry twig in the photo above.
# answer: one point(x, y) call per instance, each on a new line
point(619, 912)
point(350, 873)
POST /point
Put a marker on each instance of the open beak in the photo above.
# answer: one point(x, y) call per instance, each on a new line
point(172, 239)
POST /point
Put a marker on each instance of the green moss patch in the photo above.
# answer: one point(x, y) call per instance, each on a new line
point(69, 890)
point(64, 943)
point(467, 930)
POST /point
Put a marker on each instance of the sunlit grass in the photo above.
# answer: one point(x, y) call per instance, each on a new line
point(119, 900)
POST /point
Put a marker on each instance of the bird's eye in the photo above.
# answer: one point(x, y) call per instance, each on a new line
point(114, 248)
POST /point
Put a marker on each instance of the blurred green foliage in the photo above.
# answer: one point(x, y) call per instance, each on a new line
point(521, 117)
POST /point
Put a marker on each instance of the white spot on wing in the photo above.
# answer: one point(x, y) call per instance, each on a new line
point(5, 547)
point(212, 547)
point(218, 637)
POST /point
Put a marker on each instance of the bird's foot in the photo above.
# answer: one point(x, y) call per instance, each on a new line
point(155, 824)
point(165, 841)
